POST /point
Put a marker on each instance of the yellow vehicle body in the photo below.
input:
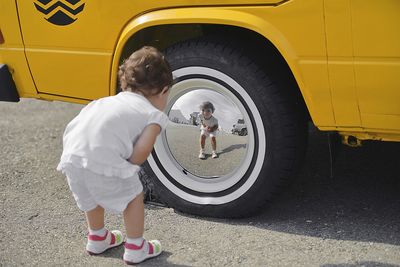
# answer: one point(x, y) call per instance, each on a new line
point(343, 54)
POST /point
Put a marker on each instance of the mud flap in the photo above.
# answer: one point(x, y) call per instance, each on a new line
point(334, 146)
point(8, 90)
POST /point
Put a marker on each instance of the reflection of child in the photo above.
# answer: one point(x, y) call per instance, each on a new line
point(104, 145)
point(209, 126)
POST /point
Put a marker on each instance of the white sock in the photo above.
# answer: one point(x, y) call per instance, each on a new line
point(99, 232)
point(136, 241)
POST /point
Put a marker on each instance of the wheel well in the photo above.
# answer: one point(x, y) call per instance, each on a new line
point(249, 42)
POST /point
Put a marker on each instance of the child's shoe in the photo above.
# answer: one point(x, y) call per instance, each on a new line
point(98, 244)
point(214, 155)
point(202, 155)
point(135, 254)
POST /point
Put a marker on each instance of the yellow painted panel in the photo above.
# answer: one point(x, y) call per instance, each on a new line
point(381, 122)
point(376, 28)
point(69, 73)
point(340, 62)
point(12, 50)
point(378, 86)
point(314, 75)
point(96, 27)
point(301, 23)
point(344, 97)
point(300, 37)
point(338, 28)
point(100, 22)
point(15, 60)
point(9, 24)
point(377, 61)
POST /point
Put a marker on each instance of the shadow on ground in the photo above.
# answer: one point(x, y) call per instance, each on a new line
point(231, 148)
point(361, 202)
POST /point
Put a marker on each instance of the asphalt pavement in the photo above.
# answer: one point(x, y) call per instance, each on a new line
point(352, 219)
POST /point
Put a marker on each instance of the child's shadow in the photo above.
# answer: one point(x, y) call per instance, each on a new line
point(225, 150)
point(161, 260)
point(231, 148)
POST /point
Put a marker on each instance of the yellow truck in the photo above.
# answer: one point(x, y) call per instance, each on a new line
point(277, 64)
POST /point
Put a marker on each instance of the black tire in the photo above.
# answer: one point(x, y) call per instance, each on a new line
point(279, 133)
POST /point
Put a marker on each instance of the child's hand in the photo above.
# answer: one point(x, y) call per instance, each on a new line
point(209, 129)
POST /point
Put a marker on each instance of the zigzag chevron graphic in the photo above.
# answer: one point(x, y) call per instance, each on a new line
point(45, 4)
point(60, 12)
point(61, 5)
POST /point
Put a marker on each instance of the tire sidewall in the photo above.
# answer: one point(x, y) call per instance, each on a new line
point(245, 73)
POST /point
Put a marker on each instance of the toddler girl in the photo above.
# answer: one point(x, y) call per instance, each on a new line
point(209, 127)
point(104, 146)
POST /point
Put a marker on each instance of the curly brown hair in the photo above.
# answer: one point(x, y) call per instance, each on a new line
point(145, 71)
point(207, 105)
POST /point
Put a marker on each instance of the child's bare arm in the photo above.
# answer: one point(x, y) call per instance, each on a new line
point(213, 128)
point(144, 145)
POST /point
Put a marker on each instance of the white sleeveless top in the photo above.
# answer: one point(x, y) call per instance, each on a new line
point(100, 138)
point(210, 122)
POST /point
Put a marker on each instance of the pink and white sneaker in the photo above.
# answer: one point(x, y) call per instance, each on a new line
point(98, 244)
point(136, 254)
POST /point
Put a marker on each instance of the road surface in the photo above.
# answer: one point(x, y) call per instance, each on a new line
point(350, 220)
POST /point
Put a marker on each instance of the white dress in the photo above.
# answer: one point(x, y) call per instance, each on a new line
point(97, 145)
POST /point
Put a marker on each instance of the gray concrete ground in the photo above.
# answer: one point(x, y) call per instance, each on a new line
point(350, 220)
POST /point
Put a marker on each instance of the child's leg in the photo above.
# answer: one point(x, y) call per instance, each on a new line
point(138, 249)
point(214, 143)
point(202, 141)
point(214, 147)
point(95, 218)
point(202, 144)
point(84, 184)
point(134, 217)
point(100, 239)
